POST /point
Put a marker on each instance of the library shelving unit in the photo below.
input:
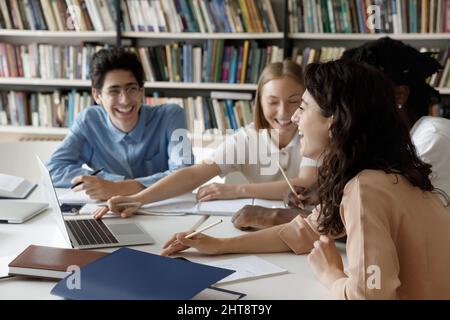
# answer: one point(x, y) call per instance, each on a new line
point(123, 37)
point(284, 38)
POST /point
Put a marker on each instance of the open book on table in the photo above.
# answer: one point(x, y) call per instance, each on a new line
point(187, 204)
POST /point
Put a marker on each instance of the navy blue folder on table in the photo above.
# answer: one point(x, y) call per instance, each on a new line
point(128, 274)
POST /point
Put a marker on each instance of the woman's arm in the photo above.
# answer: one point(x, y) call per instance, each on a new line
point(265, 190)
point(178, 183)
point(263, 241)
point(277, 189)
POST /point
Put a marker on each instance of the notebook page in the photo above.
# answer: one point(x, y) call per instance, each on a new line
point(10, 183)
point(268, 203)
point(247, 268)
point(75, 197)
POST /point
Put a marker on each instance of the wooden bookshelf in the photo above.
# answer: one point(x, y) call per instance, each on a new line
point(67, 83)
point(39, 34)
point(372, 36)
point(51, 83)
point(202, 36)
point(444, 91)
point(14, 133)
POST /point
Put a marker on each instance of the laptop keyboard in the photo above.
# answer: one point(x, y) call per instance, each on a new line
point(91, 232)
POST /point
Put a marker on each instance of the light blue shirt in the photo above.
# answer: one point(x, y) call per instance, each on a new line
point(146, 154)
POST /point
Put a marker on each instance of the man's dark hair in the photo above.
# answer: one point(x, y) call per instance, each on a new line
point(107, 60)
point(404, 65)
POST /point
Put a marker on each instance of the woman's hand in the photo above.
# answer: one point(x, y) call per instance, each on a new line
point(203, 243)
point(114, 205)
point(306, 197)
point(326, 261)
point(216, 191)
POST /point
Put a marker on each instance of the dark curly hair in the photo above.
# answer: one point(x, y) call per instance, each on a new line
point(367, 133)
point(404, 65)
point(115, 58)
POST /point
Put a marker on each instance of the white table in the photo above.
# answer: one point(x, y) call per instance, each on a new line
point(298, 283)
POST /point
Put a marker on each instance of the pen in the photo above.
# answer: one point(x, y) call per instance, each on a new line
point(92, 174)
point(287, 180)
point(198, 231)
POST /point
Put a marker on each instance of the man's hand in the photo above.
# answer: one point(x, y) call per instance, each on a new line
point(257, 217)
point(101, 189)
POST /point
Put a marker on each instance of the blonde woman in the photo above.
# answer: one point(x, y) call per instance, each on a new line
point(270, 138)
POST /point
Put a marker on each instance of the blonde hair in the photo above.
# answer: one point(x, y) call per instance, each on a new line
point(287, 68)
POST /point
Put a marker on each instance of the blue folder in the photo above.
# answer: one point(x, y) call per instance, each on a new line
point(128, 274)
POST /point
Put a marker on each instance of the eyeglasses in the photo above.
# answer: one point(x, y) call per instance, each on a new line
point(131, 91)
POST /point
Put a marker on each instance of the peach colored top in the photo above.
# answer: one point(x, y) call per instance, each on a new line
point(393, 229)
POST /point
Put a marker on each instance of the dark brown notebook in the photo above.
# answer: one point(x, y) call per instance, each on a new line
point(50, 262)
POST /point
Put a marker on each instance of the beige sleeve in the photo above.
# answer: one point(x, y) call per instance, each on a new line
point(373, 267)
point(300, 233)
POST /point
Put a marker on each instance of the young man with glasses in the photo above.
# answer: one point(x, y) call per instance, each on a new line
point(133, 143)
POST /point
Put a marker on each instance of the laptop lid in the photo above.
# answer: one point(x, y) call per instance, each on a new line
point(126, 233)
point(52, 198)
point(19, 211)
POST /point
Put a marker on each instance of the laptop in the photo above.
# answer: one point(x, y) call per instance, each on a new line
point(89, 233)
point(19, 211)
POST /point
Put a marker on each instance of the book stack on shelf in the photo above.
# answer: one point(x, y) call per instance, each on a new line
point(439, 80)
point(310, 55)
point(199, 16)
point(222, 110)
point(37, 109)
point(58, 15)
point(343, 16)
point(46, 61)
point(212, 62)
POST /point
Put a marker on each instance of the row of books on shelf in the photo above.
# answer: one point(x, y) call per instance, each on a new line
point(58, 15)
point(439, 79)
point(309, 55)
point(203, 16)
point(212, 62)
point(177, 62)
point(46, 61)
point(369, 16)
point(56, 109)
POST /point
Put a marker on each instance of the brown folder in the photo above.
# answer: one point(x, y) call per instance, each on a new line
point(50, 262)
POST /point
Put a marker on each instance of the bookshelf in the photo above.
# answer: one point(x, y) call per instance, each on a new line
point(137, 30)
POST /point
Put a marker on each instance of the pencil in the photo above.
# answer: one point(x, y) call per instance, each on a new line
point(199, 223)
point(198, 231)
point(287, 180)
